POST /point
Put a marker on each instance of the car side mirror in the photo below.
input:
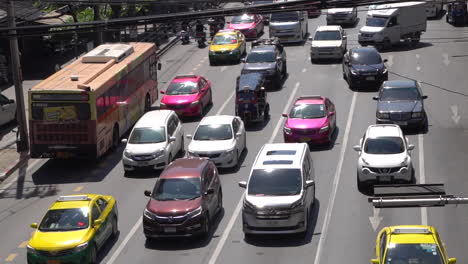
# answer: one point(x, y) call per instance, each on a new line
point(238, 134)
point(410, 147)
point(284, 115)
point(310, 38)
point(452, 260)
point(188, 136)
point(162, 92)
point(159, 66)
point(424, 97)
point(172, 139)
point(97, 222)
point(124, 140)
point(385, 60)
point(209, 42)
point(243, 184)
point(345, 37)
point(243, 60)
point(376, 98)
point(209, 191)
point(357, 148)
point(309, 183)
point(147, 193)
point(374, 261)
point(331, 113)
point(34, 225)
point(278, 58)
point(11, 101)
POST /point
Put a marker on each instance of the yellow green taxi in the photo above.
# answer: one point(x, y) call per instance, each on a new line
point(227, 45)
point(414, 244)
point(74, 228)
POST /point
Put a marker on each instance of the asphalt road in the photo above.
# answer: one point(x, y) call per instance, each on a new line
point(341, 230)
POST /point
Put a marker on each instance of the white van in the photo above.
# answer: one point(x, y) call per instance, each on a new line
point(280, 190)
point(289, 27)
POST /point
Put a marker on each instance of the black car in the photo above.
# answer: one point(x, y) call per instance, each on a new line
point(269, 57)
point(401, 102)
point(364, 66)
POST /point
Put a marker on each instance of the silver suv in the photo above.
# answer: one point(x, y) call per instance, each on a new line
point(280, 190)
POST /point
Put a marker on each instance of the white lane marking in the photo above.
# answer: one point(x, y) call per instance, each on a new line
point(333, 65)
point(225, 103)
point(446, 59)
point(234, 216)
point(390, 60)
point(455, 116)
point(223, 68)
point(417, 56)
point(304, 70)
point(418, 68)
point(422, 176)
point(8, 184)
point(125, 241)
point(336, 180)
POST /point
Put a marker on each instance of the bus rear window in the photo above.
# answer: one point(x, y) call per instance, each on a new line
point(60, 111)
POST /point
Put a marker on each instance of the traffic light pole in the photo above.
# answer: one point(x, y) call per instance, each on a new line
point(22, 142)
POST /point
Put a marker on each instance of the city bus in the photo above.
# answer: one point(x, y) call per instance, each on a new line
point(82, 110)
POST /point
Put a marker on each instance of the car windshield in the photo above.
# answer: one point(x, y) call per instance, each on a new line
point(224, 39)
point(65, 220)
point(145, 135)
point(327, 35)
point(275, 182)
point(262, 2)
point(413, 254)
point(177, 88)
point(242, 19)
point(376, 22)
point(265, 56)
point(213, 132)
point(284, 17)
point(176, 189)
point(400, 94)
point(384, 145)
point(307, 111)
point(366, 58)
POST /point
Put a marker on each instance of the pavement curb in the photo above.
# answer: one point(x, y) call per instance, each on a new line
point(12, 168)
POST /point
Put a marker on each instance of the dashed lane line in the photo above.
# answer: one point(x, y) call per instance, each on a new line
point(11, 257)
point(23, 244)
point(422, 175)
point(77, 189)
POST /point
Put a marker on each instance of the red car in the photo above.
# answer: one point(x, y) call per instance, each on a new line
point(187, 95)
point(250, 25)
point(185, 200)
point(312, 119)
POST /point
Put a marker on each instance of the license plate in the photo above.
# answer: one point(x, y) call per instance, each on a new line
point(246, 106)
point(304, 139)
point(53, 262)
point(272, 222)
point(63, 155)
point(401, 123)
point(385, 178)
point(170, 229)
point(179, 112)
point(143, 163)
point(370, 78)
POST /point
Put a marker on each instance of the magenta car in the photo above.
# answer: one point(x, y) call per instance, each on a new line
point(187, 95)
point(250, 25)
point(312, 119)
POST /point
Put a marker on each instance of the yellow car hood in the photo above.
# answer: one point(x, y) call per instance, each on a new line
point(58, 240)
point(223, 47)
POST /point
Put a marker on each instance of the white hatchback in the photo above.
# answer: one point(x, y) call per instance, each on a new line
point(155, 140)
point(221, 138)
point(329, 42)
point(384, 156)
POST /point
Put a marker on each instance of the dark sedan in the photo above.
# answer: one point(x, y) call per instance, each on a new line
point(401, 102)
point(364, 66)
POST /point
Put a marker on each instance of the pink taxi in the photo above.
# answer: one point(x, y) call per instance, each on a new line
point(187, 95)
point(250, 25)
point(312, 119)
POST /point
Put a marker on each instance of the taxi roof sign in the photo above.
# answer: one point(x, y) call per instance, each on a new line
point(413, 230)
point(68, 198)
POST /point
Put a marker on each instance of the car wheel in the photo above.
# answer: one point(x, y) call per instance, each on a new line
point(147, 104)
point(361, 185)
point(115, 227)
point(202, 110)
point(206, 225)
point(266, 114)
point(93, 255)
point(212, 63)
point(306, 223)
point(220, 200)
point(169, 159)
point(236, 164)
point(210, 102)
point(115, 137)
point(181, 150)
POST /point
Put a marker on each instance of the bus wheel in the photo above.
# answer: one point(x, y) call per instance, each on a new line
point(115, 137)
point(147, 103)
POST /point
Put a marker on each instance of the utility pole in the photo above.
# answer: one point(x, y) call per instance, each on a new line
point(22, 143)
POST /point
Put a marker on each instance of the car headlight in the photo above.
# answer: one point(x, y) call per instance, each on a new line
point(157, 153)
point(31, 250)
point(195, 212)
point(211, 52)
point(404, 162)
point(383, 115)
point(416, 115)
point(324, 129)
point(287, 130)
point(194, 103)
point(234, 51)
point(353, 71)
point(127, 154)
point(149, 214)
point(228, 153)
point(161, 105)
point(365, 162)
point(249, 206)
point(81, 247)
point(297, 206)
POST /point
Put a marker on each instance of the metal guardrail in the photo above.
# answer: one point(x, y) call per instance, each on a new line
point(167, 47)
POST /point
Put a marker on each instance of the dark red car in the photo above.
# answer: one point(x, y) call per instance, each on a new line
point(185, 200)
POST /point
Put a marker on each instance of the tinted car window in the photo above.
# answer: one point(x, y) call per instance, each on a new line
point(307, 111)
point(242, 19)
point(145, 135)
point(255, 57)
point(327, 35)
point(284, 17)
point(366, 58)
point(177, 189)
point(413, 253)
point(384, 145)
point(65, 220)
point(275, 182)
point(213, 132)
point(224, 39)
point(400, 94)
point(182, 88)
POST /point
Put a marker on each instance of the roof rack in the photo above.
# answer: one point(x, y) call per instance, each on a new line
point(412, 230)
point(186, 76)
point(68, 198)
point(310, 97)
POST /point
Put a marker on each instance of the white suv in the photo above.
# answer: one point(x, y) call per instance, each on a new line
point(329, 42)
point(221, 138)
point(384, 156)
point(155, 140)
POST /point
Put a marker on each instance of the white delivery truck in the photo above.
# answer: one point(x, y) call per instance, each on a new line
point(389, 23)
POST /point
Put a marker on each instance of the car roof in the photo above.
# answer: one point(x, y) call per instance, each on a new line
point(263, 48)
point(362, 50)
point(409, 234)
point(186, 78)
point(184, 168)
point(217, 119)
point(78, 203)
point(280, 155)
point(342, 9)
point(328, 28)
point(155, 118)
point(394, 84)
point(310, 99)
point(384, 130)
point(250, 80)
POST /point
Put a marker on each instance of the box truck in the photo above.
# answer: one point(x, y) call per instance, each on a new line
point(387, 24)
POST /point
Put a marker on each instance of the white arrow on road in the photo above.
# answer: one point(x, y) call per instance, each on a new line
point(375, 219)
point(390, 60)
point(446, 59)
point(455, 116)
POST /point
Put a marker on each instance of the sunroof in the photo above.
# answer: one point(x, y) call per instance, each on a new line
point(281, 152)
point(277, 162)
